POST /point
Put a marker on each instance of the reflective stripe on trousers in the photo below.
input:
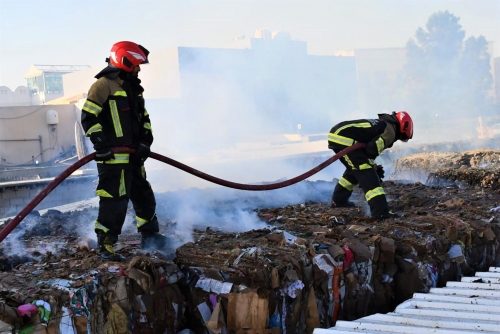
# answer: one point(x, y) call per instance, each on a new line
point(374, 193)
point(346, 184)
point(99, 226)
point(120, 158)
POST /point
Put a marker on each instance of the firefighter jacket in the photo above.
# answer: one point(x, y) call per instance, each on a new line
point(114, 115)
point(377, 134)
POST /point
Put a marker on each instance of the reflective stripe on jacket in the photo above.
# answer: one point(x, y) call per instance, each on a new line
point(110, 120)
point(375, 133)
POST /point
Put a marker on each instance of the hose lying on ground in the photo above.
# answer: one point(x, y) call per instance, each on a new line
point(253, 187)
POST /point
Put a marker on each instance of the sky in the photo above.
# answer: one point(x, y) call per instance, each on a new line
point(68, 32)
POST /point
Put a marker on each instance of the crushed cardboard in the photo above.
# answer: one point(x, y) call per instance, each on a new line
point(313, 265)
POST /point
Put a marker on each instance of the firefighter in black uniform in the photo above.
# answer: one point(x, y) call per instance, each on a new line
point(114, 115)
point(377, 134)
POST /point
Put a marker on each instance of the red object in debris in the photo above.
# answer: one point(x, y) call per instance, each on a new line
point(348, 257)
point(241, 186)
point(27, 310)
point(121, 272)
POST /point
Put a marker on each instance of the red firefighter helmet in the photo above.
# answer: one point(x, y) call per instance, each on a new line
point(125, 55)
point(405, 125)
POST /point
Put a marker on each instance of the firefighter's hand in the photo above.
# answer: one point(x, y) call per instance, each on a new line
point(380, 171)
point(142, 152)
point(104, 154)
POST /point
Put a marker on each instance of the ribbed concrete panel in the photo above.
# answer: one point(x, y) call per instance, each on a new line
point(482, 280)
point(488, 274)
point(469, 306)
point(75, 206)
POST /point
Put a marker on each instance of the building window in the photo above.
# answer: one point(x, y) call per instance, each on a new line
point(36, 84)
point(54, 83)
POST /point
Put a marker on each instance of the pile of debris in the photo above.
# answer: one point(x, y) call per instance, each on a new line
point(316, 265)
point(76, 292)
point(399, 151)
point(311, 265)
point(470, 168)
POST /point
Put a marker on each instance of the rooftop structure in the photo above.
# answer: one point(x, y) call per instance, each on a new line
point(45, 81)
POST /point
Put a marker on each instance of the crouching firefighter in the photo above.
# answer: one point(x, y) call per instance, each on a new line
point(377, 134)
point(114, 115)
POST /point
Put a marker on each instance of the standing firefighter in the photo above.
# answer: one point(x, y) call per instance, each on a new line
point(378, 134)
point(114, 115)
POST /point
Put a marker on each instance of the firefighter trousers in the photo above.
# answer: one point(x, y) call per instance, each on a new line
point(360, 170)
point(117, 185)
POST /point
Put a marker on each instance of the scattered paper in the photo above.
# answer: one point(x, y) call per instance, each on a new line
point(212, 285)
point(113, 269)
point(204, 283)
point(292, 288)
point(176, 309)
point(204, 311)
point(289, 237)
point(219, 287)
point(142, 307)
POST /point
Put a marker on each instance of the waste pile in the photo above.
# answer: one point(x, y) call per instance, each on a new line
point(315, 265)
point(76, 292)
point(400, 151)
point(470, 168)
point(310, 266)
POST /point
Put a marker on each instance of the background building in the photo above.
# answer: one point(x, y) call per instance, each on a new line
point(269, 87)
point(45, 81)
point(31, 135)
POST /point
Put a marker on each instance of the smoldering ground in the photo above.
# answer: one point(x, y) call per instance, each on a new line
point(179, 213)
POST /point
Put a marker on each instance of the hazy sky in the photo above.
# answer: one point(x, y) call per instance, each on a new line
point(82, 32)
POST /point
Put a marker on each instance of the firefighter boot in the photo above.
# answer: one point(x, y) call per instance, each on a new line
point(154, 240)
point(105, 248)
point(347, 204)
point(388, 215)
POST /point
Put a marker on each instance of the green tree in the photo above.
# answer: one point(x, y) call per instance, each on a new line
point(445, 75)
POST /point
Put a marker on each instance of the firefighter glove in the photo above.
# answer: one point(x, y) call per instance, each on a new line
point(104, 154)
point(142, 152)
point(380, 171)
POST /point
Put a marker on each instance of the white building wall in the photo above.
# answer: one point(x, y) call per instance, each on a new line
point(19, 97)
point(21, 126)
point(79, 82)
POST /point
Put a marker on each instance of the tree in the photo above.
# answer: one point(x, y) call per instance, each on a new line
point(474, 66)
point(445, 75)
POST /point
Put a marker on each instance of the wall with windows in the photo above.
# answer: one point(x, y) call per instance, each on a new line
point(47, 86)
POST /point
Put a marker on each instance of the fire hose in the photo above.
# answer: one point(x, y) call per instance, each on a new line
point(252, 187)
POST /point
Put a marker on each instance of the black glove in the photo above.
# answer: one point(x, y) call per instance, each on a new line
point(142, 152)
point(380, 171)
point(104, 154)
